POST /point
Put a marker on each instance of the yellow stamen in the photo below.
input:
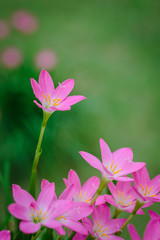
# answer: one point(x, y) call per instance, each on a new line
point(44, 215)
point(44, 97)
point(122, 203)
point(128, 197)
point(146, 190)
point(111, 165)
point(117, 171)
point(37, 218)
point(77, 194)
point(100, 228)
point(150, 190)
point(97, 223)
point(84, 195)
point(80, 194)
point(107, 167)
point(119, 193)
point(56, 101)
point(142, 187)
point(104, 234)
point(105, 229)
point(122, 195)
point(58, 218)
point(129, 203)
point(114, 168)
point(32, 214)
point(49, 98)
point(153, 196)
point(88, 200)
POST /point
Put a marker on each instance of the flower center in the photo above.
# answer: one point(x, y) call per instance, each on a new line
point(113, 168)
point(100, 230)
point(38, 216)
point(146, 191)
point(82, 197)
point(124, 201)
point(49, 101)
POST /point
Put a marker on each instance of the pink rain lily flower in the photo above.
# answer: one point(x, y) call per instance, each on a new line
point(114, 166)
point(33, 213)
point(123, 197)
point(147, 190)
point(71, 217)
point(103, 227)
point(5, 235)
point(152, 231)
point(54, 99)
point(84, 193)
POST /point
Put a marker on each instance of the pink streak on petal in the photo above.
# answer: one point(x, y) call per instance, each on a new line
point(4, 29)
point(46, 59)
point(11, 57)
point(37, 90)
point(75, 226)
point(46, 83)
point(105, 152)
point(5, 235)
point(91, 186)
point(133, 233)
point(64, 89)
point(18, 211)
point(123, 155)
point(50, 223)
point(29, 227)
point(71, 100)
point(24, 22)
point(123, 179)
point(46, 196)
point(74, 179)
point(21, 196)
point(92, 160)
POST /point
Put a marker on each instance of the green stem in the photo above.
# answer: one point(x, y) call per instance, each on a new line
point(72, 235)
point(34, 237)
point(102, 185)
point(59, 237)
point(38, 154)
point(116, 213)
point(90, 237)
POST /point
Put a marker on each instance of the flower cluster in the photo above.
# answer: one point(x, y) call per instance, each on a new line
point(70, 214)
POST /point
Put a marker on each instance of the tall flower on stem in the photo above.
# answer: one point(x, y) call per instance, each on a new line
point(51, 100)
point(114, 166)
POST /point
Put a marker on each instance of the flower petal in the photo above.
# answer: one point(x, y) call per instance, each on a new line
point(88, 225)
point(123, 155)
point(22, 197)
point(29, 227)
point(92, 160)
point(68, 193)
point(5, 235)
point(50, 223)
point(79, 211)
point(71, 100)
point(64, 89)
point(153, 215)
point(101, 213)
point(109, 199)
point(105, 152)
point(37, 90)
point(133, 233)
point(91, 186)
point(155, 183)
point(75, 226)
point(152, 230)
point(141, 177)
point(46, 196)
point(18, 211)
point(74, 179)
point(46, 83)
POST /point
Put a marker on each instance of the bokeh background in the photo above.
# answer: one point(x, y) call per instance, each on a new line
point(112, 50)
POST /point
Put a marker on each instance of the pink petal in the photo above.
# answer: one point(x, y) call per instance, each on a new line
point(59, 207)
point(46, 83)
point(79, 211)
point(102, 213)
point(105, 152)
point(18, 211)
point(91, 186)
point(100, 200)
point(141, 177)
point(152, 231)
point(153, 215)
point(123, 179)
point(60, 231)
point(68, 193)
point(155, 183)
point(50, 223)
point(48, 110)
point(123, 155)
point(109, 199)
point(88, 225)
point(112, 237)
point(21, 196)
point(37, 90)
point(75, 226)
point(92, 160)
point(46, 196)
point(44, 183)
point(74, 179)
point(124, 187)
point(113, 189)
point(79, 236)
point(5, 235)
point(114, 225)
point(29, 227)
point(64, 89)
point(71, 100)
point(133, 233)
point(131, 168)
point(62, 108)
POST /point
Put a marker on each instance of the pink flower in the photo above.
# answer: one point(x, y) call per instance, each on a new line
point(123, 197)
point(11, 57)
point(5, 235)
point(152, 231)
point(33, 213)
point(114, 165)
point(46, 59)
point(84, 193)
point(4, 29)
point(24, 22)
point(54, 99)
point(103, 227)
point(147, 190)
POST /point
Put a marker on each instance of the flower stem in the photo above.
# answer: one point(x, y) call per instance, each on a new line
point(72, 235)
point(34, 237)
point(102, 185)
point(38, 154)
point(116, 213)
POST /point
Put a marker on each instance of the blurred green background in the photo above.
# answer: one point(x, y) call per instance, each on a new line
point(112, 50)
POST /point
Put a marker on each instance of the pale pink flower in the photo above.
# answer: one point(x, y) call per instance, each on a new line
point(5, 235)
point(34, 213)
point(147, 190)
point(114, 166)
point(54, 99)
point(103, 227)
point(46, 59)
point(4, 29)
point(24, 22)
point(11, 57)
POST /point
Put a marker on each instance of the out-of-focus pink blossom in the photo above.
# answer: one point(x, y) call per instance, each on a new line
point(4, 29)
point(46, 59)
point(42, 212)
point(5, 235)
point(114, 166)
point(11, 57)
point(24, 22)
point(54, 99)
